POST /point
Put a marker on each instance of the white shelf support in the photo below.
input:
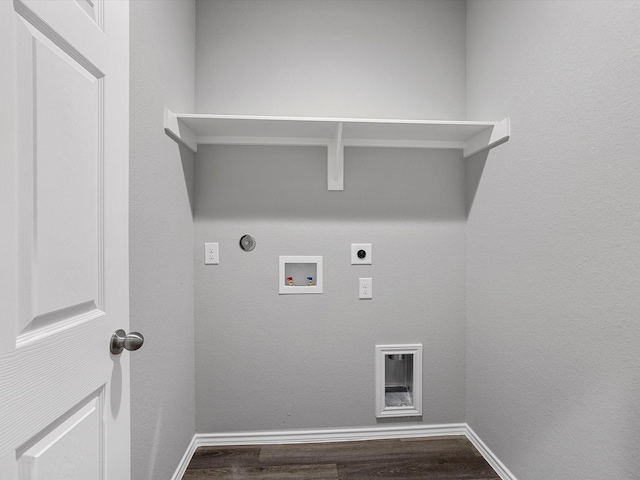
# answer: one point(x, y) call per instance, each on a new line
point(335, 161)
point(178, 131)
point(488, 139)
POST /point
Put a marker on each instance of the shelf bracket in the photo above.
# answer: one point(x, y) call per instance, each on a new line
point(178, 131)
point(488, 139)
point(335, 161)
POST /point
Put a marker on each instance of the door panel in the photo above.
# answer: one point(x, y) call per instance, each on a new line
point(64, 398)
point(60, 199)
point(71, 449)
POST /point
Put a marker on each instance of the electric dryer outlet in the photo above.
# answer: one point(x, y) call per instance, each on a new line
point(361, 254)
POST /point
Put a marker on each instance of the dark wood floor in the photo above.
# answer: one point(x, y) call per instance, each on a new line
point(434, 458)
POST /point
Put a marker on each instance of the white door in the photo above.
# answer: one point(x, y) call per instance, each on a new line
point(64, 398)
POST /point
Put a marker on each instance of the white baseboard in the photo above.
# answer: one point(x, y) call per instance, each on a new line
point(186, 458)
point(339, 435)
point(329, 434)
point(489, 456)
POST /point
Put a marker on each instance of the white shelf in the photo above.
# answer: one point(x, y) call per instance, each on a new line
point(192, 130)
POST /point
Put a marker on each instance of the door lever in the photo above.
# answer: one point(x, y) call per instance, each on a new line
point(121, 341)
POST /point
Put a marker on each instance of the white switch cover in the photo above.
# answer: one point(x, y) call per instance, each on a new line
point(211, 254)
point(366, 288)
point(357, 255)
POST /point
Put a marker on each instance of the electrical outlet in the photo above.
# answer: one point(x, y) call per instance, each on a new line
point(365, 288)
point(361, 254)
point(211, 254)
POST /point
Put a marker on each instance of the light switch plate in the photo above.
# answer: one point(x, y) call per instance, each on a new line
point(359, 259)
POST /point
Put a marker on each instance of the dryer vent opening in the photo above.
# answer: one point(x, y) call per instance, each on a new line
point(398, 380)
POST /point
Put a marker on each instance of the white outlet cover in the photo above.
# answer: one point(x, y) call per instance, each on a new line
point(355, 248)
point(211, 254)
point(365, 289)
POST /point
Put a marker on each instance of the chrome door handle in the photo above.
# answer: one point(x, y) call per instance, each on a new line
point(120, 341)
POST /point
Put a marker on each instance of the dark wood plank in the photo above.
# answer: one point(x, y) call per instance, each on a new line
point(434, 439)
point(371, 450)
point(215, 457)
point(277, 472)
point(460, 438)
point(454, 469)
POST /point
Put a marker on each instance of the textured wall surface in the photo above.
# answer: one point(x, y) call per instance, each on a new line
point(553, 253)
point(265, 361)
point(268, 361)
point(334, 58)
point(161, 238)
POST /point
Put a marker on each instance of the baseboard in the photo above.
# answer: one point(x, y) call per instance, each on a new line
point(489, 456)
point(329, 434)
point(340, 435)
point(186, 458)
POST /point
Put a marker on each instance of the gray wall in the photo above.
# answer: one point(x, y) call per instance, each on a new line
point(161, 238)
point(335, 58)
point(265, 361)
point(553, 253)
